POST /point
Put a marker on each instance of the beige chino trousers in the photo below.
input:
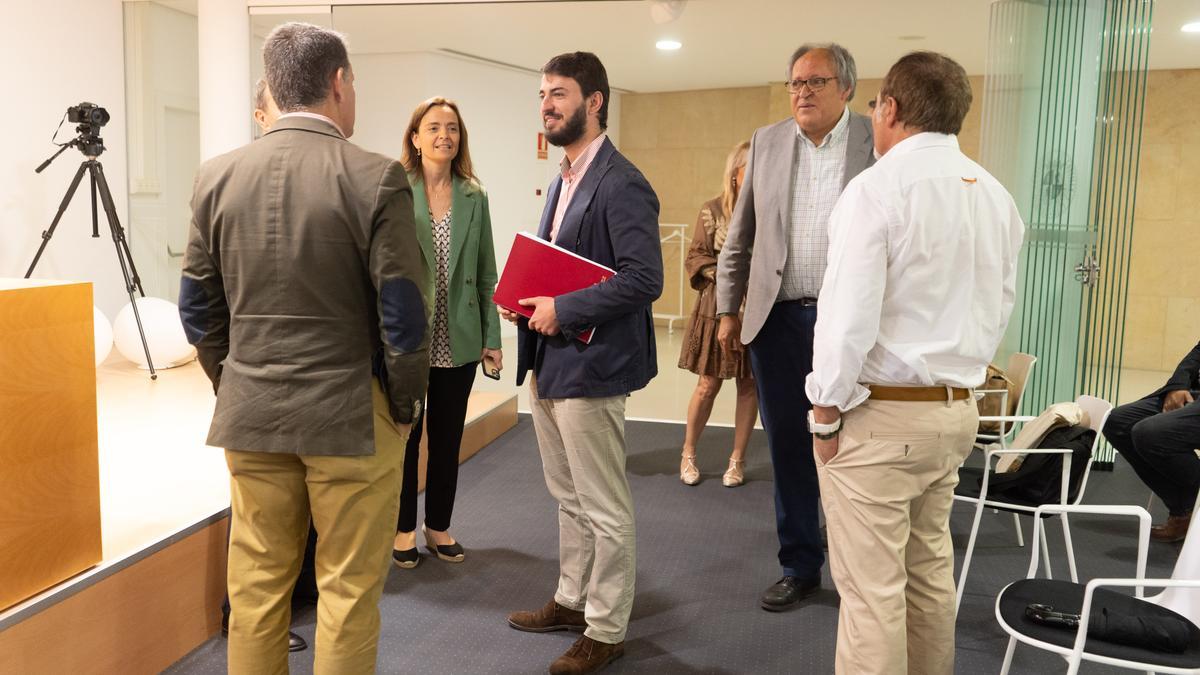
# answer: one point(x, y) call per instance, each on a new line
point(353, 501)
point(582, 444)
point(887, 496)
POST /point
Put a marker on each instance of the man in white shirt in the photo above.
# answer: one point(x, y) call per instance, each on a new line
point(917, 294)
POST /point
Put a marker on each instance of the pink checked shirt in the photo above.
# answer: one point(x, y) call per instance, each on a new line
point(572, 175)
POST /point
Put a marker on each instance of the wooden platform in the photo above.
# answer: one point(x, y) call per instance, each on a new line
point(157, 593)
point(50, 503)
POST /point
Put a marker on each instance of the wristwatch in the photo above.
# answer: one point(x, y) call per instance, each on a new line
point(823, 431)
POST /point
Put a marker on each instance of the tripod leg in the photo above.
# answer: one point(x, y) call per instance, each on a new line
point(95, 220)
point(118, 232)
point(123, 256)
point(62, 208)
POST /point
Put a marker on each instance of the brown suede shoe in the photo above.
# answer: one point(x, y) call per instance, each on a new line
point(1175, 529)
point(550, 618)
point(586, 656)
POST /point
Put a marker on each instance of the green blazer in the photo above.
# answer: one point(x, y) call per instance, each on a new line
point(474, 323)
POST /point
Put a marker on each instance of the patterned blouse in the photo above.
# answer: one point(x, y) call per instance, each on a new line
point(439, 340)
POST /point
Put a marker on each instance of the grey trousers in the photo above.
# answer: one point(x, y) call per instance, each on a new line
point(582, 444)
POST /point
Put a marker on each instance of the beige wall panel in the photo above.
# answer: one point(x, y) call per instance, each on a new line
point(1182, 328)
point(1145, 323)
point(1157, 170)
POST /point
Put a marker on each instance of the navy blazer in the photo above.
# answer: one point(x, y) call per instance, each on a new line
point(612, 220)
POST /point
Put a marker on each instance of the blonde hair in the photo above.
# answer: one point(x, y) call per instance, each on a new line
point(411, 159)
point(729, 190)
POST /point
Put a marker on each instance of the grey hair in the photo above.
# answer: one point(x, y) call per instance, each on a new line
point(300, 59)
point(843, 62)
point(260, 94)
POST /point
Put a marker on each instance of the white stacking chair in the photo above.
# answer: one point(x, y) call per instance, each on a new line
point(1181, 595)
point(1018, 372)
point(1020, 367)
point(1097, 412)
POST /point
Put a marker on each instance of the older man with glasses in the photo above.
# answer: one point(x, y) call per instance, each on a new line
point(774, 257)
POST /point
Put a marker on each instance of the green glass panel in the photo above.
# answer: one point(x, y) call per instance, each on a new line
point(1063, 101)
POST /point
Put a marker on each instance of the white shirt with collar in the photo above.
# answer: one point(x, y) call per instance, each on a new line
point(314, 116)
point(921, 278)
point(817, 175)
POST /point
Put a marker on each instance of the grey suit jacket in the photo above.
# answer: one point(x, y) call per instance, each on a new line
point(751, 262)
point(302, 265)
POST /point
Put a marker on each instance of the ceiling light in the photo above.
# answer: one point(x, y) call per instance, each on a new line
point(1193, 27)
point(668, 45)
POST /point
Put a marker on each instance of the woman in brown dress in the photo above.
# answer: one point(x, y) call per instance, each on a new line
point(702, 353)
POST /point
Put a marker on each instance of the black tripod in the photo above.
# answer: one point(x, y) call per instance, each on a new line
point(92, 147)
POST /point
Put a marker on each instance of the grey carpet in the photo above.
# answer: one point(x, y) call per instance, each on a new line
point(704, 555)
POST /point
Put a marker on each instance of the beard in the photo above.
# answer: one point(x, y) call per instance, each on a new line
point(570, 132)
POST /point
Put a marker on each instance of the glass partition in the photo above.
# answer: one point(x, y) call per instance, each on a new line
point(1065, 88)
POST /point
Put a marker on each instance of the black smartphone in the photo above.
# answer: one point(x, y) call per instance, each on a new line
point(488, 366)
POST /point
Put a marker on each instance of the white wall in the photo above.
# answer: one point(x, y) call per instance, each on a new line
point(56, 62)
point(164, 138)
point(500, 110)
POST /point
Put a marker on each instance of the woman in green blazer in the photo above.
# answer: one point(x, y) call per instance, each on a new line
point(454, 229)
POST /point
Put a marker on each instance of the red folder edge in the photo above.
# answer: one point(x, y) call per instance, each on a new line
point(536, 267)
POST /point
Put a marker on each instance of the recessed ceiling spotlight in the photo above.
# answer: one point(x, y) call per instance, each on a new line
point(1193, 27)
point(668, 45)
point(911, 38)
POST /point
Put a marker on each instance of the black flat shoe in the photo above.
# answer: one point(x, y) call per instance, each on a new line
point(788, 592)
point(449, 552)
point(406, 559)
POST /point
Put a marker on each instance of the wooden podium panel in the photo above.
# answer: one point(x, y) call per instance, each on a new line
point(49, 468)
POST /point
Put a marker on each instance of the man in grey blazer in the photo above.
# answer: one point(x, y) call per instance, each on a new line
point(774, 258)
point(302, 275)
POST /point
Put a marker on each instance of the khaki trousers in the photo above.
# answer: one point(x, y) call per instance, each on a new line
point(353, 502)
point(582, 444)
point(887, 496)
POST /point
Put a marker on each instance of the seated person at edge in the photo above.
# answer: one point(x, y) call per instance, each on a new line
point(1159, 435)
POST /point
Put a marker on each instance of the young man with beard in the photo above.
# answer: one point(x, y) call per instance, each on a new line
point(603, 209)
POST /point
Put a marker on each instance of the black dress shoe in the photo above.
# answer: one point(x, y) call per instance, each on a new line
point(295, 642)
point(788, 592)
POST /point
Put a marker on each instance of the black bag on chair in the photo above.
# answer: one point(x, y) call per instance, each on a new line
point(1039, 478)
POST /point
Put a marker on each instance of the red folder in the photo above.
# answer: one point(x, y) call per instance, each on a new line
point(536, 267)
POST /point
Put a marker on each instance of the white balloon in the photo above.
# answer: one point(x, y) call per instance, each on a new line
point(164, 333)
point(104, 335)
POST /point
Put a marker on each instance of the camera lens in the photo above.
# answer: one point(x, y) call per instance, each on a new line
point(98, 116)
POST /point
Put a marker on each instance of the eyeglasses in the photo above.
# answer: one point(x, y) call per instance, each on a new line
point(814, 84)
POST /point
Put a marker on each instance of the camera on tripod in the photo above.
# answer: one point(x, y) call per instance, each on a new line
point(90, 117)
point(87, 114)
